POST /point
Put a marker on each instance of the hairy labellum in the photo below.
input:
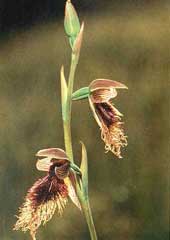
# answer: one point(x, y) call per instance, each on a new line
point(109, 120)
point(45, 189)
point(42, 199)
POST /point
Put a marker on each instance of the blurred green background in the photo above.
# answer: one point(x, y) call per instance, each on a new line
point(129, 197)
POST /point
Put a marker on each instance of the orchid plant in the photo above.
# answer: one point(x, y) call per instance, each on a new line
point(64, 179)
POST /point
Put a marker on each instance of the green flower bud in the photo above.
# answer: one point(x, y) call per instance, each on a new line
point(71, 21)
point(81, 93)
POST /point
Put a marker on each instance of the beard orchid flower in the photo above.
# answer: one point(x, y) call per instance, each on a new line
point(100, 92)
point(49, 192)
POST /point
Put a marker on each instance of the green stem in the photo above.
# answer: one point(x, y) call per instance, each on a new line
point(88, 215)
point(74, 62)
point(89, 219)
point(67, 120)
point(67, 139)
point(68, 145)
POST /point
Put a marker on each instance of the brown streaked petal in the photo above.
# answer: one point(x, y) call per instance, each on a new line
point(94, 112)
point(103, 95)
point(57, 153)
point(70, 183)
point(44, 164)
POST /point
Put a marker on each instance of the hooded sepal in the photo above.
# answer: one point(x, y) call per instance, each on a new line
point(102, 90)
point(106, 83)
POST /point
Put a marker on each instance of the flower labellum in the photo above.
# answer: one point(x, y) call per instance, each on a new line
point(50, 192)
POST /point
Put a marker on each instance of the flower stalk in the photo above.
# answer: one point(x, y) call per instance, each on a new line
point(82, 190)
point(67, 108)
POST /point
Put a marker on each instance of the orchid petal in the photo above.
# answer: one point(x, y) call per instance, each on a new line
point(71, 191)
point(44, 164)
point(103, 95)
point(94, 112)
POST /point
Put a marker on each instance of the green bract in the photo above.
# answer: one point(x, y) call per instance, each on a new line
point(81, 93)
point(63, 92)
point(84, 170)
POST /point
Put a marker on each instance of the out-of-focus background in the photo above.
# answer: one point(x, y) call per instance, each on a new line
point(128, 41)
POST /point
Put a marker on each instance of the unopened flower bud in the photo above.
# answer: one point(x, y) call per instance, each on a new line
point(71, 21)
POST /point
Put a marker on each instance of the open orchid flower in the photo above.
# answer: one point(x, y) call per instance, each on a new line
point(50, 192)
point(100, 92)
